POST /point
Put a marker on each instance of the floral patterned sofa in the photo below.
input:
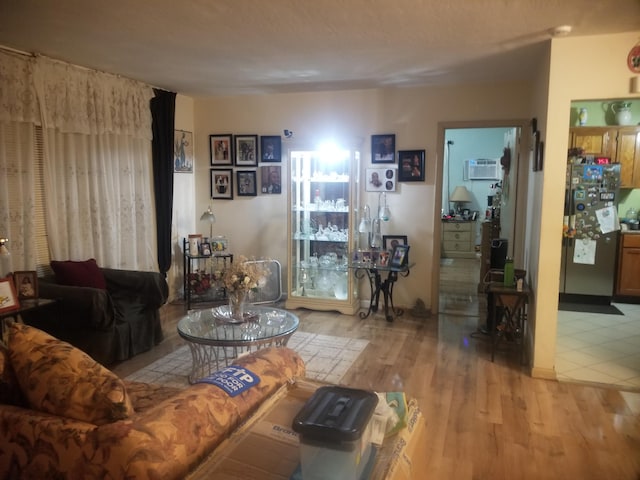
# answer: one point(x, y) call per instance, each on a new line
point(63, 415)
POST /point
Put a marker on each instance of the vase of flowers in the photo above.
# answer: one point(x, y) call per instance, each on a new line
point(239, 279)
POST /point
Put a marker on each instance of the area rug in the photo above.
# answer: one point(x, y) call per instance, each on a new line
point(327, 359)
point(589, 308)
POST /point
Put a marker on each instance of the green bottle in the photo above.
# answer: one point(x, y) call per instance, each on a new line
point(508, 272)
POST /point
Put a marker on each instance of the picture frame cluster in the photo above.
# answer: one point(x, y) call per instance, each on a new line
point(390, 166)
point(234, 164)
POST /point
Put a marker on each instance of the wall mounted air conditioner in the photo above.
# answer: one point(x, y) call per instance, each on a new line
point(483, 169)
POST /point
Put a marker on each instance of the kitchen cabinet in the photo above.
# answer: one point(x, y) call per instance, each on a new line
point(628, 156)
point(323, 201)
point(621, 144)
point(458, 239)
point(628, 281)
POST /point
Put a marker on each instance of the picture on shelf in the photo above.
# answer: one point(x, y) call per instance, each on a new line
point(183, 152)
point(205, 249)
point(26, 283)
point(389, 242)
point(399, 255)
point(220, 149)
point(8, 297)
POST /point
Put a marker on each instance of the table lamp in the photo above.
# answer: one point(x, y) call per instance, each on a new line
point(208, 216)
point(459, 197)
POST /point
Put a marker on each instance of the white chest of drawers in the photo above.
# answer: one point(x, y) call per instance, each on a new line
point(458, 239)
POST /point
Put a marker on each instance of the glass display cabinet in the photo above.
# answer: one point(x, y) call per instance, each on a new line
point(323, 201)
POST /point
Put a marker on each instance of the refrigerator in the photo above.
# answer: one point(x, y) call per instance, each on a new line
point(590, 232)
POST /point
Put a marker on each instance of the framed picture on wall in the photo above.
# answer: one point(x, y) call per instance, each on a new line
point(411, 166)
point(221, 149)
point(182, 151)
point(383, 148)
point(246, 182)
point(246, 150)
point(381, 179)
point(221, 183)
point(271, 179)
point(270, 148)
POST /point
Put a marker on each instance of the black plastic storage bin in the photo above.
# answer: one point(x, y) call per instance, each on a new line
point(334, 433)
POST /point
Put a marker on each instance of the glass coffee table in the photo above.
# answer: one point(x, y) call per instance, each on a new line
point(214, 340)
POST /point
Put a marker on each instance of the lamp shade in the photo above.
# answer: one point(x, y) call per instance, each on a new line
point(208, 216)
point(460, 194)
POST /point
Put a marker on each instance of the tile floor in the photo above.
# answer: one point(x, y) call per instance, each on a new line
point(593, 348)
point(600, 348)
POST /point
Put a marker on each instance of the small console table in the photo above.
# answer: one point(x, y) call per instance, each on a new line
point(507, 320)
point(382, 278)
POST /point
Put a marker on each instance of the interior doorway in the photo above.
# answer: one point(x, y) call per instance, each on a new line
point(506, 145)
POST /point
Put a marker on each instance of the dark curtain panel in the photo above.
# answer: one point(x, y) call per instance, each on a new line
point(163, 113)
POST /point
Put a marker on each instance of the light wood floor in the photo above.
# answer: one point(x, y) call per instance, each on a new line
point(485, 420)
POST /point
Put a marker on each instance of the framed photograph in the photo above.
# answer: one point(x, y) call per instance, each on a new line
point(535, 146)
point(246, 181)
point(390, 241)
point(540, 156)
point(219, 244)
point(383, 148)
point(26, 283)
point(182, 151)
point(222, 183)
point(399, 256)
point(411, 166)
point(205, 249)
point(221, 149)
point(8, 298)
point(246, 150)
point(381, 179)
point(271, 179)
point(271, 148)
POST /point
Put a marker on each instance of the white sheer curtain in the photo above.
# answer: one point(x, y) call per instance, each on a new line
point(97, 162)
point(99, 180)
point(19, 116)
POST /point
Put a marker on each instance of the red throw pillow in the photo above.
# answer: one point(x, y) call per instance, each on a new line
point(79, 274)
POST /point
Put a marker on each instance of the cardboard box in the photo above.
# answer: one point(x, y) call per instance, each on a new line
point(265, 447)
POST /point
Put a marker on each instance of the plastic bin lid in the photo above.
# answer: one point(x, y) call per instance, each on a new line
point(335, 414)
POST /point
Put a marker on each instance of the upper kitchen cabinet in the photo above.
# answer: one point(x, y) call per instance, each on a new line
point(323, 200)
point(628, 156)
point(594, 140)
point(621, 144)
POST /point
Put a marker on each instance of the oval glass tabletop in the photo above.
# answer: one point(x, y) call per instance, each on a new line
point(215, 327)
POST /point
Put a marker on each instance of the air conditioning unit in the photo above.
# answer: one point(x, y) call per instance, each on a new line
point(483, 169)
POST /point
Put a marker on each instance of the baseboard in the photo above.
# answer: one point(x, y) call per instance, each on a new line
point(544, 373)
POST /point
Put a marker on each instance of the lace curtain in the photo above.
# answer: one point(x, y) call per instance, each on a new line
point(97, 168)
point(19, 116)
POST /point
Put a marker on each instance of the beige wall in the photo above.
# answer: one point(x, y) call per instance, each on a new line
point(576, 68)
point(581, 68)
point(256, 226)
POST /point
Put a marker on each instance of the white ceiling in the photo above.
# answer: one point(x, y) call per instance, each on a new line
point(217, 47)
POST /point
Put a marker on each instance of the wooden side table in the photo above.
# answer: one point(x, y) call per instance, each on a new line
point(26, 306)
point(512, 324)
